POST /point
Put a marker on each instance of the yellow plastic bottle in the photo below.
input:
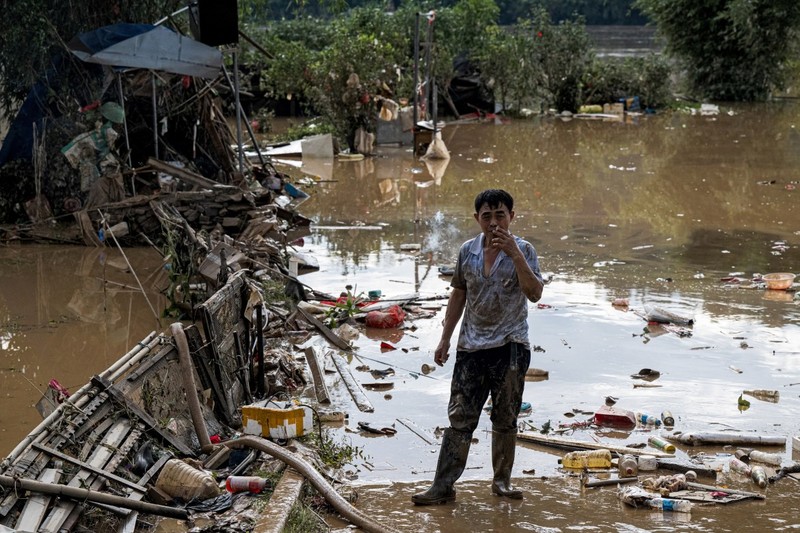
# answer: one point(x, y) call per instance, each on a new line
point(587, 459)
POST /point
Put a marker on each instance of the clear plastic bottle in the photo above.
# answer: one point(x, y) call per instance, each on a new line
point(661, 444)
point(668, 504)
point(772, 396)
point(628, 466)
point(774, 459)
point(737, 465)
point(759, 476)
point(253, 484)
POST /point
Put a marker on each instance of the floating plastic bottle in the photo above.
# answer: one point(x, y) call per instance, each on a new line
point(774, 459)
point(628, 466)
point(661, 444)
point(253, 484)
point(771, 396)
point(667, 418)
point(743, 455)
point(759, 476)
point(181, 480)
point(737, 465)
point(669, 504)
point(647, 463)
point(587, 459)
point(648, 420)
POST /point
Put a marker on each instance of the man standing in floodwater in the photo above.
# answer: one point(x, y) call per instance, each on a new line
point(496, 275)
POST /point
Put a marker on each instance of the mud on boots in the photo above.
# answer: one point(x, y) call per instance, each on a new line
point(504, 447)
point(452, 460)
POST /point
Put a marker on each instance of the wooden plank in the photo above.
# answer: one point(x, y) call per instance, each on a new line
point(187, 175)
point(573, 444)
point(99, 457)
point(96, 482)
point(318, 374)
point(87, 466)
point(714, 488)
point(148, 420)
point(275, 515)
point(35, 508)
point(358, 394)
point(203, 359)
point(128, 524)
point(326, 331)
point(222, 316)
point(418, 431)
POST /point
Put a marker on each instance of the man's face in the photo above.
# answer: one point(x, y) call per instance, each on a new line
point(492, 218)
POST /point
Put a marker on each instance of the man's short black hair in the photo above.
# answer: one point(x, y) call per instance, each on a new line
point(494, 198)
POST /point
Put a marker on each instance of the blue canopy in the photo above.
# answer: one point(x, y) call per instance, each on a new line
point(127, 45)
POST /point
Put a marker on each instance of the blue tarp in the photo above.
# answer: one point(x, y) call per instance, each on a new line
point(123, 45)
point(145, 46)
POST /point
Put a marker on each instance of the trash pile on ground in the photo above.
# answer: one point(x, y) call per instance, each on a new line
point(198, 419)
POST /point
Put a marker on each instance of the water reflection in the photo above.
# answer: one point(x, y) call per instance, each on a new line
point(656, 211)
point(65, 313)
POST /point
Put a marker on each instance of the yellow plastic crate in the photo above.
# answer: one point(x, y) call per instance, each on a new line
point(276, 423)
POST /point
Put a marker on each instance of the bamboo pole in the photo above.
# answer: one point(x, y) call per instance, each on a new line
point(574, 444)
point(80, 494)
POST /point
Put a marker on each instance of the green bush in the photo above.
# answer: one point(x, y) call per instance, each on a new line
point(729, 49)
point(610, 79)
point(561, 55)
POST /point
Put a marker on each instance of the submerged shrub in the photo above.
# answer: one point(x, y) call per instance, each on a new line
point(611, 79)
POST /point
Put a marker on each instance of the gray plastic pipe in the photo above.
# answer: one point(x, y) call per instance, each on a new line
point(317, 480)
point(187, 369)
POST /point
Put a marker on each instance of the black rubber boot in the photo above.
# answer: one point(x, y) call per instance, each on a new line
point(504, 447)
point(452, 460)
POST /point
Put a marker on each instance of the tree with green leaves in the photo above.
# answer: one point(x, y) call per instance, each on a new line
point(562, 55)
point(730, 49)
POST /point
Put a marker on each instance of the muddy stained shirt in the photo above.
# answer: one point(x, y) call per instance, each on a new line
point(496, 310)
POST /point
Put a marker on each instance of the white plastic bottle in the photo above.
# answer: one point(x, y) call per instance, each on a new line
point(668, 504)
point(767, 458)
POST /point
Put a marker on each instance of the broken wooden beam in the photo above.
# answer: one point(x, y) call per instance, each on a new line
point(318, 374)
point(358, 394)
point(274, 517)
point(325, 330)
point(140, 413)
point(186, 175)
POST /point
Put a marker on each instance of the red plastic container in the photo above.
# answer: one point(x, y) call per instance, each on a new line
point(615, 418)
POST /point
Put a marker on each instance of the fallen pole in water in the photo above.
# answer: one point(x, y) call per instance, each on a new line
point(77, 493)
point(712, 437)
point(606, 482)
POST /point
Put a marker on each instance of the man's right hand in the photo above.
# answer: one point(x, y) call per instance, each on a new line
point(440, 356)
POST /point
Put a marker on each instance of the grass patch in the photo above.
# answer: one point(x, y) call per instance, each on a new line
point(303, 519)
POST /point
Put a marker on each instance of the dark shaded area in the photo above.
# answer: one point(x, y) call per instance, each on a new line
point(468, 93)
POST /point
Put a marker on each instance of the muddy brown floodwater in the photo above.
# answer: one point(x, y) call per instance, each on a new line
point(655, 209)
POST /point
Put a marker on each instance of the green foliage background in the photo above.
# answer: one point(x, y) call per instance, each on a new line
point(730, 49)
point(33, 35)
